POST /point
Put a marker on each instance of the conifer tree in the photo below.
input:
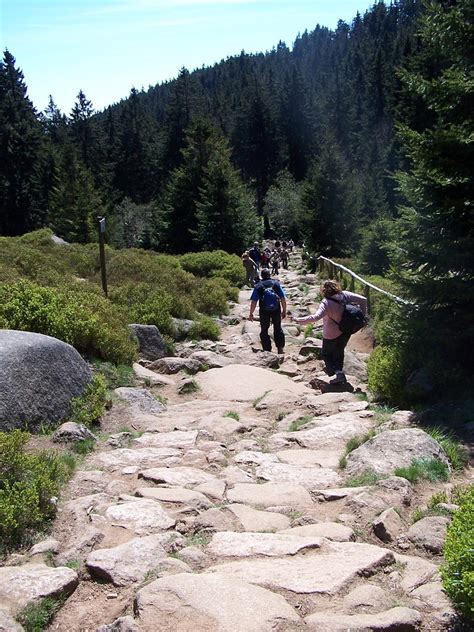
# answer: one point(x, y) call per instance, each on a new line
point(436, 243)
point(21, 148)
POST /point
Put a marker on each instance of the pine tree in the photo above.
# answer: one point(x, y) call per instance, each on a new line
point(436, 229)
point(21, 148)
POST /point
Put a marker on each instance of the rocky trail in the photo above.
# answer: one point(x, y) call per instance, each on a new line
point(215, 500)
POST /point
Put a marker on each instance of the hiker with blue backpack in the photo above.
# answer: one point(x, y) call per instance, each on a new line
point(343, 314)
point(272, 309)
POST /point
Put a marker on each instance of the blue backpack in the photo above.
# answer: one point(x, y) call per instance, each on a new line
point(270, 301)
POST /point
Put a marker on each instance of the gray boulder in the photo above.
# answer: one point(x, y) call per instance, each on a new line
point(392, 449)
point(39, 375)
point(71, 432)
point(150, 343)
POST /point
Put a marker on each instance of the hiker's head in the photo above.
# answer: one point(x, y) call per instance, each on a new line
point(329, 288)
point(255, 244)
point(245, 255)
point(265, 274)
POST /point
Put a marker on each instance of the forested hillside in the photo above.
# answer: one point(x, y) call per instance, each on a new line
point(221, 144)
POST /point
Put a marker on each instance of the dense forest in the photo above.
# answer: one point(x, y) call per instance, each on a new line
point(357, 141)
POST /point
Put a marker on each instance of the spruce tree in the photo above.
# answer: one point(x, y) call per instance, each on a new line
point(436, 228)
point(21, 151)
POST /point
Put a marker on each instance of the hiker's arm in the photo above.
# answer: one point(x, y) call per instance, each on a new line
point(253, 305)
point(312, 318)
point(283, 307)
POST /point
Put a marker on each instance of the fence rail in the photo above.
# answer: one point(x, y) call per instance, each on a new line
point(337, 270)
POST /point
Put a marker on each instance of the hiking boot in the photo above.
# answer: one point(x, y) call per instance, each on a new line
point(280, 351)
point(339, 378)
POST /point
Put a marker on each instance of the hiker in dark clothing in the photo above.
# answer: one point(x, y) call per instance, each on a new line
point(272, 308)
point(255, 254)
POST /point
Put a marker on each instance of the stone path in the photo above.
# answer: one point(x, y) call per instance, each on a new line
point(226, 509)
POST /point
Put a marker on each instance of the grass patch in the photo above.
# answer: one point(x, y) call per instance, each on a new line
point(308, 330)
point(362, 479)
point(382, 413)
point(354, 443)
point(198, 539)
point(189, 387)
point(298, 423)
point(37, 616)
point(83, 447)
point(115, 375)
point(436, 499)
point(257, 400)
point(232, 414)
point(419, 514)
point(428, 469)
point(457, 454)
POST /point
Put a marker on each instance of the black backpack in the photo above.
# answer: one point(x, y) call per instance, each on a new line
point(352, 319)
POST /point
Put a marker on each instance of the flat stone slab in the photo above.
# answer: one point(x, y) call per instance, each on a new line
point(240, 382)
point(325, 571)
point(152, 377)
point(308, 477)
point(213, 602)
point(127, 563)
point(179, 495)
point(141, 516)
point(183, 439)
point(232, 544)
point(270, 494)
point(180, 476)
point(141, 457)
point(310, 458)
point(398, 618)
point(256, 520)
point(23, 585)
point(329, 530)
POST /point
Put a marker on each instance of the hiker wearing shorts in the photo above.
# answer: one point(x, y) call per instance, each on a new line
point(330, 310)
point(272, 309)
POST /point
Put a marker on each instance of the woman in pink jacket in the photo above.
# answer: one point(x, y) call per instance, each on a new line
point(334, 341)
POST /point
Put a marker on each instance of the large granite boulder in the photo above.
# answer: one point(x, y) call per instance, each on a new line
point(150, 343)
point(39, 375)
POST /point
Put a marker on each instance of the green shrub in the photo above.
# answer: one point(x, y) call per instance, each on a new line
point(430, 469)
point(116, 375)
point(147, 305)
point(387, 374)
point(28, 482)
point(90, 406)
point(214, 264)
point(204, 329)
point(458, 571)
point(36, 616)
point(77, 315)
point(83, 447)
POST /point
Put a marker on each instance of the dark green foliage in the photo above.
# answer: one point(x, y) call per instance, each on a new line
point(283, 206)
point(27, 483)
point(214, 264)
point(458, 571)
point(90, 406)
point(205, 328)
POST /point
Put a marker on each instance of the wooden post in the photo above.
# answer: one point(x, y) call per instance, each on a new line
point(352, 284)
point(101, 228)
point(367, 296)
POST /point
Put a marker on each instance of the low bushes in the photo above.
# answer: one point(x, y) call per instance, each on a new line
point(214, 264)
point(387, 374)
point(28, 482)
point(458, 570)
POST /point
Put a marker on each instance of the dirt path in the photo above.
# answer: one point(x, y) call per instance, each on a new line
point(229, 509)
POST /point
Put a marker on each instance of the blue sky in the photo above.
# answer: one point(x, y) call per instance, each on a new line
point(106, 47)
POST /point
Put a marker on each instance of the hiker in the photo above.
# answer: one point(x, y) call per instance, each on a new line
point(291, 245)
point(251, 272)
point(331, 310)
point(255, 255)
point(274, 261)
point(272, 308)
point(284, 258)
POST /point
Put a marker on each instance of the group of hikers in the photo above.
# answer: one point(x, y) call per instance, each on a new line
point(342, 312)
point(256, 259)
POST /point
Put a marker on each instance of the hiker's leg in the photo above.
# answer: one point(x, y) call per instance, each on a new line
point(264, 325)
point(278, 334)
point(341, 343)
point(328, 355)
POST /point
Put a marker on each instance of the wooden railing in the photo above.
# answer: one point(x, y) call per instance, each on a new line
point(336, 271)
